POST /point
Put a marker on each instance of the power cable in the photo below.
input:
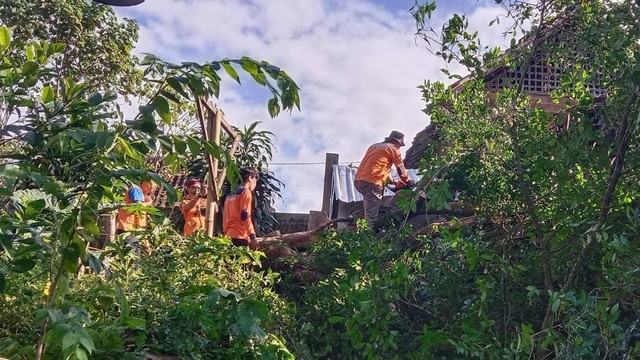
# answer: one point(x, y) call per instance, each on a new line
point(310, 163)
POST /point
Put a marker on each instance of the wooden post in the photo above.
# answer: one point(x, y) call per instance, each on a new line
point(331, 159)
point(214, 122)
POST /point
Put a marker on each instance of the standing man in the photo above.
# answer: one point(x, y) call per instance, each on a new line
point(375, 170)
point(194, 207)
point(237, 221)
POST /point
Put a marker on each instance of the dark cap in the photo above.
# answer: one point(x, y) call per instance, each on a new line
point(397, 136)
point(192, 182)
point(246, 172)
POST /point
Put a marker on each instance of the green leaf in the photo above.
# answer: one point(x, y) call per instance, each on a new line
point(180, 145)
point(230, 70)
point(22, 265)
point(146, 109)
point(47, 94)
point(170, 96)
point(162, 108)
point(81, 354)
point(56, 48)
point(256, 308)
point(95, 99)
point(194, 146)
point(28, 68)
point(148, 126)
point(274, 107)
point(31, 55)
point(34, 208)
point(213, 149)
point(335, 319)
point(87, 343)
point(95, 265)
point(5, 37)
point(556, 305)
point(177, 86)
point(135, 323)
point(215, 295)
point(70, 339)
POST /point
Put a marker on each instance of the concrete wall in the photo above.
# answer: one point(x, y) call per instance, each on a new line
point(291, 223)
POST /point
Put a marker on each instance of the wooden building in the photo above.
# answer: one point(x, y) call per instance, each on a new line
point(538, 79)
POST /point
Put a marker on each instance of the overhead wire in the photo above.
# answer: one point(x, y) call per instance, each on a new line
point(311, 163)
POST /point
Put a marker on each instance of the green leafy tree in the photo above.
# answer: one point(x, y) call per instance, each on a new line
point(96, 44)
point(560, 183)
point(72, 160)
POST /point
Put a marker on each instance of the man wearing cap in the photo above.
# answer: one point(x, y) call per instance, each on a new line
point(375, 170)
point(237, 222)
point(194, 207)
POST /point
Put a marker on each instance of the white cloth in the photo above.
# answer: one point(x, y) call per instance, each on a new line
point(344, 190)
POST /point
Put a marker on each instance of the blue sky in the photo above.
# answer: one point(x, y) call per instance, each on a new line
point(356, 61)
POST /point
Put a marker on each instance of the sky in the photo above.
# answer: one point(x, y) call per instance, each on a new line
point(357, 63)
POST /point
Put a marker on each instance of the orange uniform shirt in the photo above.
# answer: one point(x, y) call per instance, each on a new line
point(127, 221)
point(194, 218)
point(375, 167)
point(237, 222)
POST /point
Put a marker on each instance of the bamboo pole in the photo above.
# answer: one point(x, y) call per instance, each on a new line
point(203, 127)
point(214, 119)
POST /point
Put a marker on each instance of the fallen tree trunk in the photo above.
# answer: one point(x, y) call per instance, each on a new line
point(300, 240)
point(282, 251)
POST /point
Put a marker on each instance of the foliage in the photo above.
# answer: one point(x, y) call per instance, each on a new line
point(183, 300)
point(96, 46)
point(72, 160)
point(559, 179)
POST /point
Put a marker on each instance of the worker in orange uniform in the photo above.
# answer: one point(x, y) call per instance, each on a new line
point(130, 221)
point(375, 169)
point(127, 221)
point(237, 222)
point(194, 207)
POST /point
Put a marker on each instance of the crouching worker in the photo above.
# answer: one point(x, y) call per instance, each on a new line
point(194, 207)
point(237, 221)
point(130, 221)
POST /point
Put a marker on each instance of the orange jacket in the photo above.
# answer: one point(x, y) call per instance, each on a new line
point(127, 221)
point(237, 222)
point(375, 167)
point(194, 218)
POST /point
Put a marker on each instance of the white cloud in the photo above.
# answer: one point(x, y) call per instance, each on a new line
point(357, 64)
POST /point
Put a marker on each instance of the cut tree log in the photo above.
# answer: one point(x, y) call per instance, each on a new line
point(282, 251)
point(299, 240)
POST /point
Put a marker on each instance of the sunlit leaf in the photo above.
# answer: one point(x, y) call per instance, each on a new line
point(162, 108)
point(5, 37)
point(230, 70)
point(47, 94)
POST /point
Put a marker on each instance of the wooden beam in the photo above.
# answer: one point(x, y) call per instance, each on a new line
point(225, 125)
point(331, 159)
point(212, 185)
